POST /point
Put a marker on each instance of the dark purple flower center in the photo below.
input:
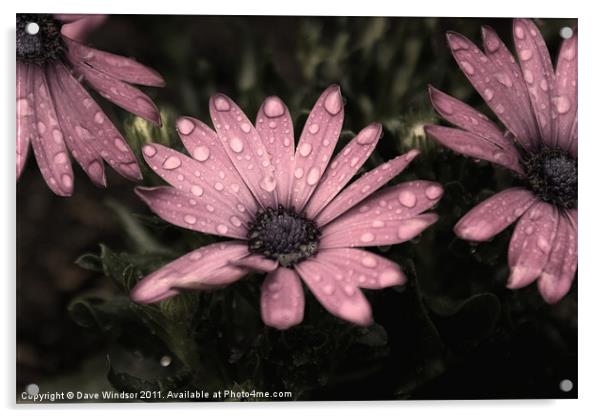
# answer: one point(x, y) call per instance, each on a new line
point(283, 235)
point(552, 174)
point(38, 38)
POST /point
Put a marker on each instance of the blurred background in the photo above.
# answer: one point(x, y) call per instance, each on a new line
point(453, 332)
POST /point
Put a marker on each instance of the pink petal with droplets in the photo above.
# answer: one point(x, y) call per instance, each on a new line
point(122, 68)
point(479, 70)
point(475, 146)
point(566, 91)
point(536, 64)
point(78, 27)
point(122, 94)
point(558, 275)
point(493, 215)
point(25, 113)
point(275, 127)
point(47, 139)
point(360, 268)
point(282, 299)
point(343, 168)
point(245, 148)
point(343, 300)
point(364, 187)
point(467, 118)
point(213, 163)
point(510, 76)
point(211, 190)
point(87, 157)
point(202, 214)
point(96, 129)
point(316, 145)
point(531, 243)
point(379, 215)
point(69, 17)
point(365, 234)
point(205, 268)
point(258, 263)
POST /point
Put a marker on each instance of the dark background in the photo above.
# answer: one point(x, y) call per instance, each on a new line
point(453, 332)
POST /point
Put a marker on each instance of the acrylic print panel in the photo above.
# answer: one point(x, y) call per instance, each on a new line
point(236, 208)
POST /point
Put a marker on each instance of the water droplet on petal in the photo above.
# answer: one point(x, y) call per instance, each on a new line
point(369, 261)
point(189, 219)
point(334, 102)
point(543, 84)
point(503, 79)
point(273, 107)
point(67, 180)
point(185, 126)
point(99, 118)
point(235, 220)
point(245, 127)
point(367, 237)
point(196, 190)
point(543, 244)
point(313, 176)
point(525, 54)
point(492, 43)
point(121, 146)
point(222, 229)
point(563, 104)
point(60, 158)
point(268, 184)
point(305, 149)
point(314, 128)
point(41, 128)
point(171, 163)
point(329, 289)
point(407, 198)
point(528, 76)
point(149, 150)
point(433, 192)
point(488, 94)
point(519, 32)
point(236, 144)
point(298, 172)
point(218, 186)
point(201, 153)
point(467, 67)
point(378, 224)
point(221, 103)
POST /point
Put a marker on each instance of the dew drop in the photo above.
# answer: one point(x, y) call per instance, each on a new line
point(99, 118)
point(519, 32)
point(121, 146)
point(222, 229)
point(245, 127)
point(189, 219)
point(201, 153)
point(369, 261)
point(367, 237)
point(305, 149)
point(149, 150)
point(235, 220)
point(221, 103)
point(563, 104)
point(433, 192)
point(526, 54)
point(196, 190)
point(67, 180)
point(268, 184)
point(468, 68)
point(407, 198)
point(334, 102)
point(185, 126)
point(171, 163)
point(328, 289)
point(313, 176)
point(298, 173)
point(57, 136)
point(378, 224)
point(236, 144)
point(488, 94)
point(314, 128)
point(528, 76)
point(60, 158)
point(218, 186)
point(273, 107)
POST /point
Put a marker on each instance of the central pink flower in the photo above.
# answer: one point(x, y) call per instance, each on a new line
point(286, 208)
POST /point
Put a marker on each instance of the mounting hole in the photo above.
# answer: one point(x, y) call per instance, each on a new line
point(32, 28)
point(566, 385)
point(566, 32)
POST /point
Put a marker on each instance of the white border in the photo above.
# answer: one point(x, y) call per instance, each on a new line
point(590, 280)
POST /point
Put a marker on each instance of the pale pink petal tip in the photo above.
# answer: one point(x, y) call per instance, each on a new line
point(152, 291)
point(282, 299)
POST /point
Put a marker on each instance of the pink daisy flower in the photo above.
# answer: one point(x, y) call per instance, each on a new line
point(56, 114)
point(538, 106)
point(287, 210)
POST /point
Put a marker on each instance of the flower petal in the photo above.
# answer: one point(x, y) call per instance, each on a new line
point(202, 144)
point(467, 118)
point(245, 148)
point(205, 268)
point(82, 151)
point(479, 70)
point(25, 113)
point(316, 145)
point(377, 219)
point(538, 72)
point(78, 27)
point(282, 299)
point(345, 165)
point(192, 212)
point(255, 262)
point(558, 275)
point(47, 139)
point(531, 243)
point(275, 126)
point(120, 93)
point(493, 215)
point(566, 90)
point(510, 76)
point(95, 128)
point(212, 191)
point(340, 299)
point(475, 146)
point(360, 268)
point(122, 68)
point(364, 187)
